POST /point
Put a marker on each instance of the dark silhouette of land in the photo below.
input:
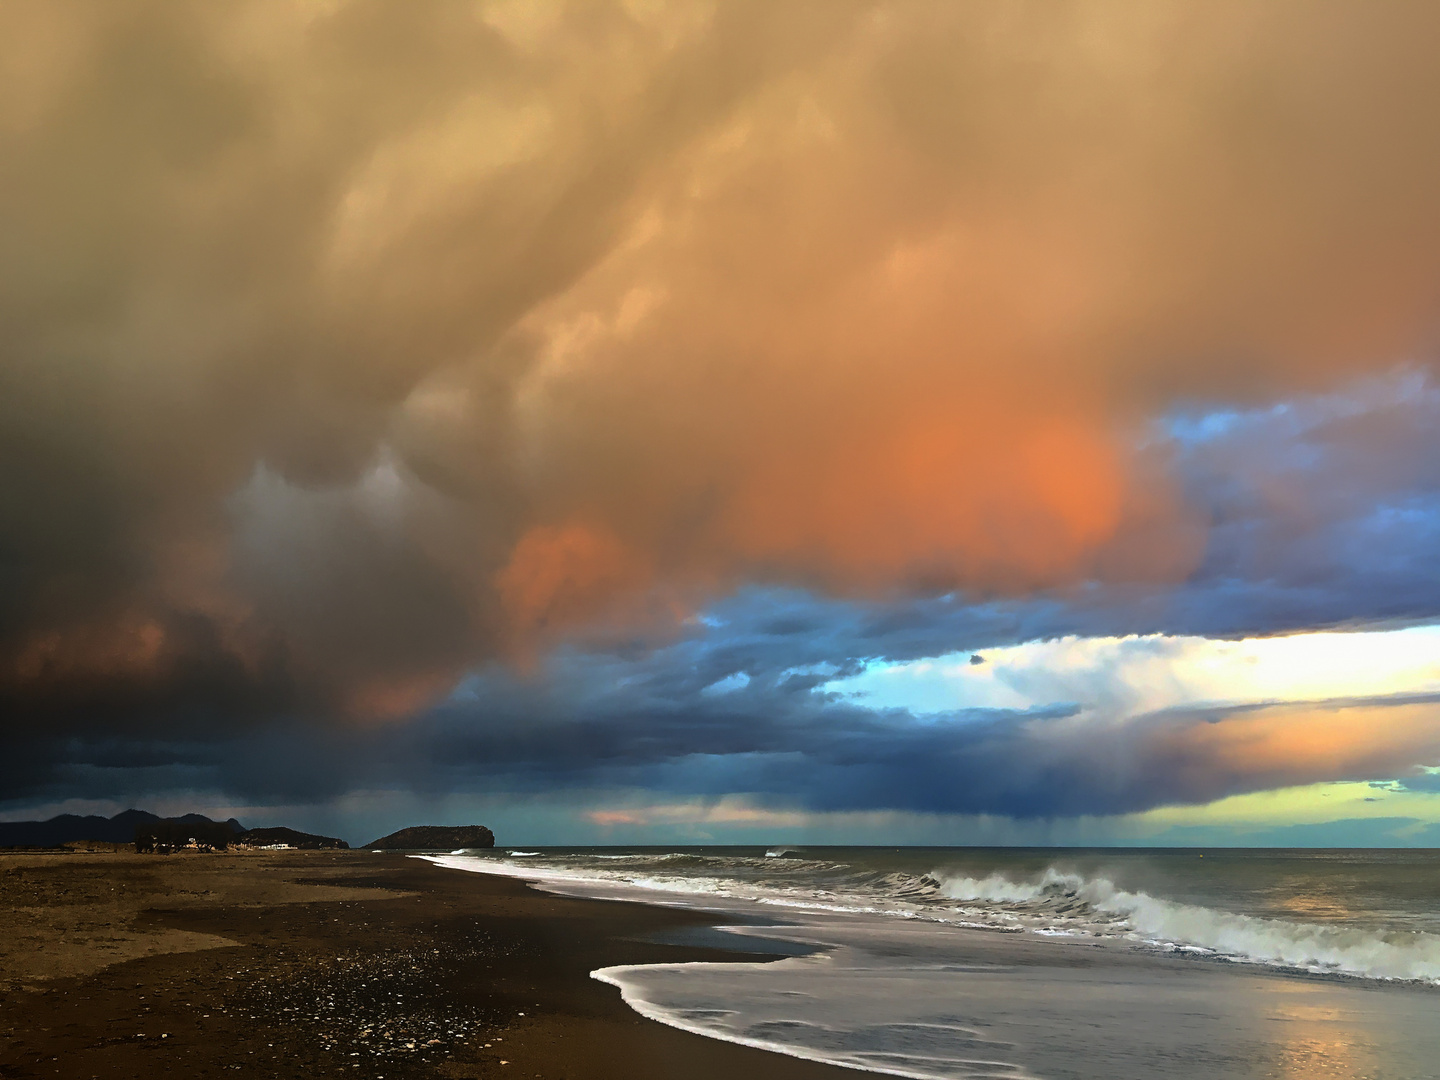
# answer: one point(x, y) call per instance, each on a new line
point(290, 838)
point(120, 829)
point(152, 834)
point(435, 838)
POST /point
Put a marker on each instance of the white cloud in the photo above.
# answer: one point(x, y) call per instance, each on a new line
point(1126, 676)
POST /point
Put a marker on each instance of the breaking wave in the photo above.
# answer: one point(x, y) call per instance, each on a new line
point(1050, 902)
point(1061, 902)
point(892, 977)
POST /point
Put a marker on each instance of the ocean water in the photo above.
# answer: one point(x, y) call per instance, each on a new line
point(952, 964)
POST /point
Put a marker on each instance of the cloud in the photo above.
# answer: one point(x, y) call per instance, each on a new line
point(263, 262)
point(1130, 675)
point(597, 723)
point(347, 349)
point(724, 812)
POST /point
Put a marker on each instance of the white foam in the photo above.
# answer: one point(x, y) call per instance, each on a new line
point(846, 1031)
point(997, 888)
point(931, 1002)
point(1342, 950)
point(1054, 904)
point(923, 996)
point(1099, 906)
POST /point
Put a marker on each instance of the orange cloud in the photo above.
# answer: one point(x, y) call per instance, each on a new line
point(643, 301)
point(559, 573)
point(935, 503)
point(1317, 742)
point(731, 810)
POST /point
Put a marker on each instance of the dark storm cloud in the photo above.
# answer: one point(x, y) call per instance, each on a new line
point(237, 239)
point(634, 726)
point(384, 340)
point(742, 707)
point(737, 703)
point(734, 706)
point(346, 349)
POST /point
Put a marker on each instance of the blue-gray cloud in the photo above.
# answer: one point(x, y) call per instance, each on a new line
point(281, 401)
point(1324, 513)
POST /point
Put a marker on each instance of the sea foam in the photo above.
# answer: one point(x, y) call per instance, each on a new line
point(1087, 970)
point(1055, 903)
point(1098, 906)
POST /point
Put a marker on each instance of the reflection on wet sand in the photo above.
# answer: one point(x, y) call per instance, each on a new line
point(1320, 1039)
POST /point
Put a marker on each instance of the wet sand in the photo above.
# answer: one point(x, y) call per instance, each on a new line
point(321, 964)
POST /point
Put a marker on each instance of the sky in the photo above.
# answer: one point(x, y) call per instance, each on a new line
point(643, 422)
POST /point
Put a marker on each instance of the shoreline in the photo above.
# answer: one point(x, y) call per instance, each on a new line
point(935, 1000)
point(318, 964)
point(355, 964)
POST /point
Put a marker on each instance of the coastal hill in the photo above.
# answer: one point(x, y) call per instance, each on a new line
point(290, 838)
point(120, 829)
point(150, 832)
point(448, 837)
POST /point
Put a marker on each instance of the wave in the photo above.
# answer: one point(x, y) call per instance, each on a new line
point(917, 1051)
point(935, 1001)
point(1069, 902)
point(1054, 903)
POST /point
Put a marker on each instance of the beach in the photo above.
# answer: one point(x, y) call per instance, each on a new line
point(319, 964)
point(811, 964)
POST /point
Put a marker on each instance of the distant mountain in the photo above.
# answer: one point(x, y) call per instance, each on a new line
point(124, 828)
point(282, 835)
point(67, 828)
point(443, 837)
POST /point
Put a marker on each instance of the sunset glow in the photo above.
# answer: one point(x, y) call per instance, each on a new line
point(1135, 675)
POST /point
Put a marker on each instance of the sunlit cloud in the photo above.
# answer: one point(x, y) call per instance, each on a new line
point(673, 398)
point(732, 811)
point(1140, 674)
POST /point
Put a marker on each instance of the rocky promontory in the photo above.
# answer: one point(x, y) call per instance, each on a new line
point(448, 837)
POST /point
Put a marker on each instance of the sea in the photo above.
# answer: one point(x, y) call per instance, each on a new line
point(1038, 964)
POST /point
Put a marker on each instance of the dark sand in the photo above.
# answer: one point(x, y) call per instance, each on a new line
point(320, 964)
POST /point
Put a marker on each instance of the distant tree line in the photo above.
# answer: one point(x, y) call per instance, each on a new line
point(163, 837)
